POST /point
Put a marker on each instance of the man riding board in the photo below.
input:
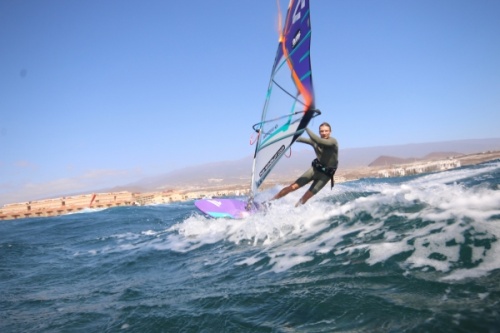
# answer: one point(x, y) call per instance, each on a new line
point(323, 167)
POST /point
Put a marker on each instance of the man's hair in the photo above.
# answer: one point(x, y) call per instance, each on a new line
point(327, 125)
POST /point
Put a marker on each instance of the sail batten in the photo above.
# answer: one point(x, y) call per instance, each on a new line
point(288, 109)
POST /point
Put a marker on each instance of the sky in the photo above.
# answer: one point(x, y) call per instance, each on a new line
point(100, 93)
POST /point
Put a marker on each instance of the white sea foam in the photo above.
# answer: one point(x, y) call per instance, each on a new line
point(87, 211)
point(433, 237)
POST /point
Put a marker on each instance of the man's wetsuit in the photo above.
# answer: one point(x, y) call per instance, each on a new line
point(327, 152)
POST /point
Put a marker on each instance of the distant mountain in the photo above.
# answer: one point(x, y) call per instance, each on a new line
point(392, 160)
point(239, 171)
point(356, 157)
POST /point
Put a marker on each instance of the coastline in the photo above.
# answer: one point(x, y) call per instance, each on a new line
point(74, 204)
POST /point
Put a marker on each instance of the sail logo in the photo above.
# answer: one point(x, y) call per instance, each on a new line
point(296, 39)
point(271, 162)
point(266, 134)
point(296, 12)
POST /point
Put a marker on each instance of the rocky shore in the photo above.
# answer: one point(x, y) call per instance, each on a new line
point(74, 204)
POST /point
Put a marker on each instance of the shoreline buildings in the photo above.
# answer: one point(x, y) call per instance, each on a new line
point(77, 203)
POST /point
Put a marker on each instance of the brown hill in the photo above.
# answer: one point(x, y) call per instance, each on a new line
point(392, 160)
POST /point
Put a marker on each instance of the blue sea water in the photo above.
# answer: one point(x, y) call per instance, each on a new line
point(410, 254)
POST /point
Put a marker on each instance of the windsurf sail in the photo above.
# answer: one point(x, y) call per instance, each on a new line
point(289, 103)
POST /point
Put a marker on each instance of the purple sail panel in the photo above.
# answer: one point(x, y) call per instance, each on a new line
point(296, 42)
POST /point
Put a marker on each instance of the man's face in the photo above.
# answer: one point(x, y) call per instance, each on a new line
point(324, 132)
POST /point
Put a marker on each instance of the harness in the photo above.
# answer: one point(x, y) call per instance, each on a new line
point(329, 171)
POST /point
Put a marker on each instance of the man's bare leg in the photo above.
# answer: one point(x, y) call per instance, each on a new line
point(308, 195)
point(284, 191)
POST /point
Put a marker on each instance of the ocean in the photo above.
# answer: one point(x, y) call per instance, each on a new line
point(407, 254)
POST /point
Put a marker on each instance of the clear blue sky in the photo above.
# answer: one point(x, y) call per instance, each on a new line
point(101, 93)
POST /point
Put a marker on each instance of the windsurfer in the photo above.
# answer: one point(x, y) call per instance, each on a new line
point(323, 167)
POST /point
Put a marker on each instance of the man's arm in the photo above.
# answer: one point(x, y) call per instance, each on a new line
point(305, 140)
